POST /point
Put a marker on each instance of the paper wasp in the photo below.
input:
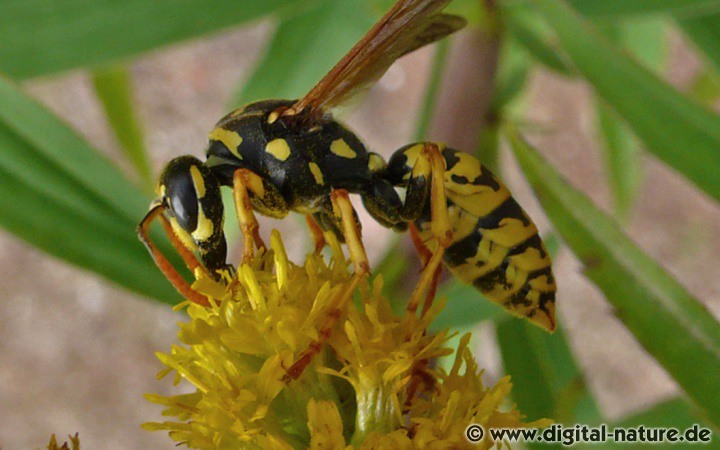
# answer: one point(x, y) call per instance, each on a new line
point(291, 155)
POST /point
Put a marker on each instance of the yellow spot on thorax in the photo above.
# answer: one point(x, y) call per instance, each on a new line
point(230, 139)
point(342, 149)
point(198, 181)
point(317, 173)
point(279, 148)
point(272, 117)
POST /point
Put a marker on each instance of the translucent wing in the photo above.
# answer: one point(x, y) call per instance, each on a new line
point(409, 25)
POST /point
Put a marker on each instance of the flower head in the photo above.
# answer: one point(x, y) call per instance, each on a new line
point(283, 358)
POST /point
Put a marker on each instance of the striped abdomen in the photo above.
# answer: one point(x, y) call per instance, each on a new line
point(496, 246)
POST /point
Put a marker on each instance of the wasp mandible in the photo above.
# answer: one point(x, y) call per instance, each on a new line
point(291, 155)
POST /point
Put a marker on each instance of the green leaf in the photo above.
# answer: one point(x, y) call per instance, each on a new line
point(683, 134)
point(671, 324)
point(45, 36)
point(62, 196)
point(614, 8)
point(622, 158)
point(512, 75)
point(705, 34)
point(546, 379)
point(57, 149)
point(114, 88)
point(532, 34)
point(465, 306)
point(645, 39)
point(61, 231)
point(676, 413)
point(705, 87)
point(305, 47)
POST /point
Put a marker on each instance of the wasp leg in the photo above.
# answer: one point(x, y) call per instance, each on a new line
point(186, 253)
point(423, 252)
point(316, 231)
point(430, 166)
point(163, 264)
point(428, 283)
point(265, 198)
point(306, 356)
point(343, 209)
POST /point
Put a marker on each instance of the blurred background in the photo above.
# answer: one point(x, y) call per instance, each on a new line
point(78, 350)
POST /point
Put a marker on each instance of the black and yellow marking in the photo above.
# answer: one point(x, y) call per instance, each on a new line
point(495, 246)
point(192, 198)
point(290, 155)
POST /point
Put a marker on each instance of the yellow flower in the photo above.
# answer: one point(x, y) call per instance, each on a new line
point(283, 358)
point(74, 443)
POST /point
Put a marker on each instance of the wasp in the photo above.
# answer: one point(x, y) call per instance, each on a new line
point(292, 155)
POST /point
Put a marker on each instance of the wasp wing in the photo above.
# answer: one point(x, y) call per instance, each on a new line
point(407, 26)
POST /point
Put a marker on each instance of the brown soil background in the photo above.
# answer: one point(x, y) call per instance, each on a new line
point(78, 352)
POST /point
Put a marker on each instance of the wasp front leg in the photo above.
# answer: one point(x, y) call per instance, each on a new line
point(182, 286)
point(265, 198)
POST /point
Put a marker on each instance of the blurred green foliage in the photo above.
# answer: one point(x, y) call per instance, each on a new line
point(59, 194)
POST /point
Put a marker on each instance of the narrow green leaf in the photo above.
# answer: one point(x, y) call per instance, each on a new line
point(60, 231)
point(57, 148)
point(677, 413)
point(546, 379)
point(622, 158)
point(62, 196)
point(46, 36)
point(512, 74)
point(614, 8)
point(705, 34)
point(465, 306)
point(646, 38)
point(672, 325)
point(683, 134)
point(705, 87)
point(305, 47)
point(114, 88)
point(524, 27)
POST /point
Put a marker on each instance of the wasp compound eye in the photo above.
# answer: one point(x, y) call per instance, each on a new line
point(180, 190)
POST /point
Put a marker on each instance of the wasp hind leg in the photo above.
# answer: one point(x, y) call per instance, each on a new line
point(343, 219)
point(316, 232)
point(427, 181)
point(182, 286)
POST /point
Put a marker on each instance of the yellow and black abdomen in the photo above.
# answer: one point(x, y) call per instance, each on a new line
point(496, 246)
